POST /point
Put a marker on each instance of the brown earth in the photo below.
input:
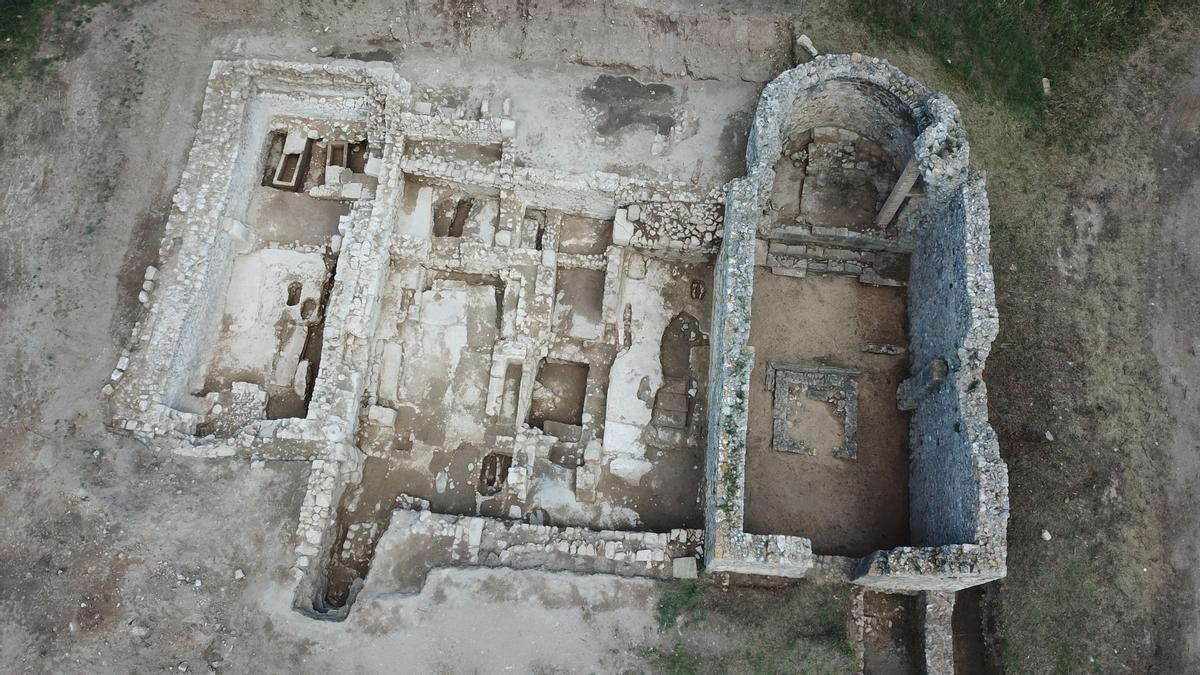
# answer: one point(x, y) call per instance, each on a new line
point(845, 506)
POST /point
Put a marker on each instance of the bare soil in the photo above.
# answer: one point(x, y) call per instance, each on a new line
point(890, 640)
point(1176, 345)
point(845, 506)
point(287, 217)
point(565, 385)
point(579, 234)
point(580, 301)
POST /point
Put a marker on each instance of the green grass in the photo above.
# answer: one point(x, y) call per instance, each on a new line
point(23, 26)
point(675, 660)
point(1001, 49)
point(674, 601)
point(792, 627)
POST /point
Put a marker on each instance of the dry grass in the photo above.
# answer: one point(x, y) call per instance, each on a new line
point(1070, 196)
point(25, 24)
point(1001, 49)
point(783, 628)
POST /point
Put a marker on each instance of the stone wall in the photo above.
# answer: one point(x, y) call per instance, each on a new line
point(730, 363)
point(942, 568)
point(417, 541)
point(952, 317)
point(670, 226)
point(863, 107)
point(870, 97)
point(958, 483)
point(204, 233)
point(167, 343)
point(935, 625)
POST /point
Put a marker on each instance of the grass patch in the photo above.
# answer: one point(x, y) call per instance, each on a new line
point(786, 627)
point(674, 601)
point(1002, 49)
point(675, 660)
point(23, 26)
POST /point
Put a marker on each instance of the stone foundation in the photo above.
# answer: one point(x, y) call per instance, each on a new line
point(378, 230)
point(958, 483)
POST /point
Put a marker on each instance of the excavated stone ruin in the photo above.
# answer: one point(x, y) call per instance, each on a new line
point(483, 362)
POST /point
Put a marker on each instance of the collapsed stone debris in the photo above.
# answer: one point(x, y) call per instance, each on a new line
point(483, 362)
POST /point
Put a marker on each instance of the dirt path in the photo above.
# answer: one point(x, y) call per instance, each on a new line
point(1176, 340)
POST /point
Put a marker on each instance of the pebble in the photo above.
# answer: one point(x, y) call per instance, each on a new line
point(1046, 535)
point(1049, 436)
point(239, 574)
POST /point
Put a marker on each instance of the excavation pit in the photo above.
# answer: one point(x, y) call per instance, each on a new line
point(854, 485)
point(558, 396)
point(487, 360)
point(585, 236)
point(270, 336)
point(579, 305)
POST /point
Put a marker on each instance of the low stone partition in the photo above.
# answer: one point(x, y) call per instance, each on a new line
point(418, 541)
point(669, 226)
point(935, 624)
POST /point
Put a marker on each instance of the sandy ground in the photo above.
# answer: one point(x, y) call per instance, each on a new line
point(121, 559)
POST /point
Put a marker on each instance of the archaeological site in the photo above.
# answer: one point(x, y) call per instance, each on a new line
point(483, 362)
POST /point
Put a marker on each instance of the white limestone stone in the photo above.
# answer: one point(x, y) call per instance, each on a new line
point(683, 568)
point(622, 228)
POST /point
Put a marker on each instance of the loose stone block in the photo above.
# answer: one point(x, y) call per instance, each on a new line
point(683, 568)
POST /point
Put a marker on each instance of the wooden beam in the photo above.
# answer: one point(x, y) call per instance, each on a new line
point(904, 185)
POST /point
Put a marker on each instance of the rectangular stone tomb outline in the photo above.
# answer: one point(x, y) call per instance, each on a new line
point(821, 383)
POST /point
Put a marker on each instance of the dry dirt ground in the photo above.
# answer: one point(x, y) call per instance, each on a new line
point(119, 559)
point(1175, 339)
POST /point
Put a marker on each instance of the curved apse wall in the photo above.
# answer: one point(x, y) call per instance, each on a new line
point(958, 488)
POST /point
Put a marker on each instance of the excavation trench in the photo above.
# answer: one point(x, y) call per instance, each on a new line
point(289, 403)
